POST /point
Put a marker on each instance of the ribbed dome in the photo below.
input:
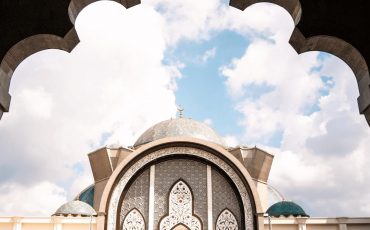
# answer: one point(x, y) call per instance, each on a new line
point(286, 208)
point(75, 207)
point(180, 127)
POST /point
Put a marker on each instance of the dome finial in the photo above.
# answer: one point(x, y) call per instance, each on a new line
point(180, 111)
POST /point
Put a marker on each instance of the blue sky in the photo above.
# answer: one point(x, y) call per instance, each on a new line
point(202, 84)
point(234, 70)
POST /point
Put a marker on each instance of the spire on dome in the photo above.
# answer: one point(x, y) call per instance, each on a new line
point(180, 111)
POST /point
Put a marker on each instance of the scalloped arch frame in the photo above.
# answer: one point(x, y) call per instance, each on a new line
point(301, 44)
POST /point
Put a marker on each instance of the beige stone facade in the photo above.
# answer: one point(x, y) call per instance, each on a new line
point(87, 223)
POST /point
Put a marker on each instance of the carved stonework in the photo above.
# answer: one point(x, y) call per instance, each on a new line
point(136, 196)
point(133, 221)
point(226, 221)
point(180, 209)
point(132, 170)
point(170, 171)
point(224, 197)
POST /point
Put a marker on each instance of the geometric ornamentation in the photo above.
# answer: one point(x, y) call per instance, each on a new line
point(226, 221)
point(172, 151)
point(180, 205)
point(133, 221)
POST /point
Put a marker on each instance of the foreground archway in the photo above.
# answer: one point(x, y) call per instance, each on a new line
point(27, 46)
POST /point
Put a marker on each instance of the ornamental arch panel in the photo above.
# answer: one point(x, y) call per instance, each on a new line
point(133, 221)
point(180, 208)
point(151, 156)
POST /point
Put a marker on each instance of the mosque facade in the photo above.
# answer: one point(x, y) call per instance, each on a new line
point(180, 175)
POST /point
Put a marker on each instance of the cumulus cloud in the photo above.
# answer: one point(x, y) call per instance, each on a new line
point(322, 140)
point(198, 20)
point(208, 121)
point(208, 54)
point(231, 141)
point(44, 198)
point(114, 85)
point(340, 137)
point(290, 84)
point(109, 89)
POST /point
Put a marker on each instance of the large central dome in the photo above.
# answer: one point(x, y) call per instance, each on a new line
point(180, 127)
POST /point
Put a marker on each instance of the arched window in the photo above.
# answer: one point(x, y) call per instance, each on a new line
point(133, 221)
point(180, 209)
point(226, 221)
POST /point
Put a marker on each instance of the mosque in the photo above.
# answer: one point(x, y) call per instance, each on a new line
point(180, 175)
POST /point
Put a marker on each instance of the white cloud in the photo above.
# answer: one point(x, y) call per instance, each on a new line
point(190, 20)
point(114, 85)
point(208, 54)
point(37, 102)
point(293, 86)
point(322, 157)
point(208, 121)
point(231, 141)
point(109, 89)
point(199, 20)
point(43, 198)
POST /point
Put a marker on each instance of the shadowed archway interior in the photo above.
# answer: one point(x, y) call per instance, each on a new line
point(324, 25)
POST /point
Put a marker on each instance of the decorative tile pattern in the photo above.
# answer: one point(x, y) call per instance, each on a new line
point(173, 151)
point(133, 221)
point(226, 221)
point(223, 197)
point(180, 209)
point(137, 196)
point(170, 171)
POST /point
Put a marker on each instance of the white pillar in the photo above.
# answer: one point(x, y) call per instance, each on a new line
point(57, 226)
point(342, 226)
point(342, 223)
point(301, 226)
point(151, 198)
point(209, 197)
point(302, 223)
point(17, 225)
point(57, 221)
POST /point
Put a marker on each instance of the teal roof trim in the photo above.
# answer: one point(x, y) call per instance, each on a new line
point(286, 208)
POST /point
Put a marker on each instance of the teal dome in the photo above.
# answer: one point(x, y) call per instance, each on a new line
point(286, 208)
point(87, 195)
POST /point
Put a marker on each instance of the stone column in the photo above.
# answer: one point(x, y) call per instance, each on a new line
point(56, 220)
point(342, 226)
point(301, 223)
point(100, 221)
point(17, 224)
point(342, 223)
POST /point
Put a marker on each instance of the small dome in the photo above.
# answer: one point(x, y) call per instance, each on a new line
point(286, 208)
point(75, 208)
point(180, 127)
